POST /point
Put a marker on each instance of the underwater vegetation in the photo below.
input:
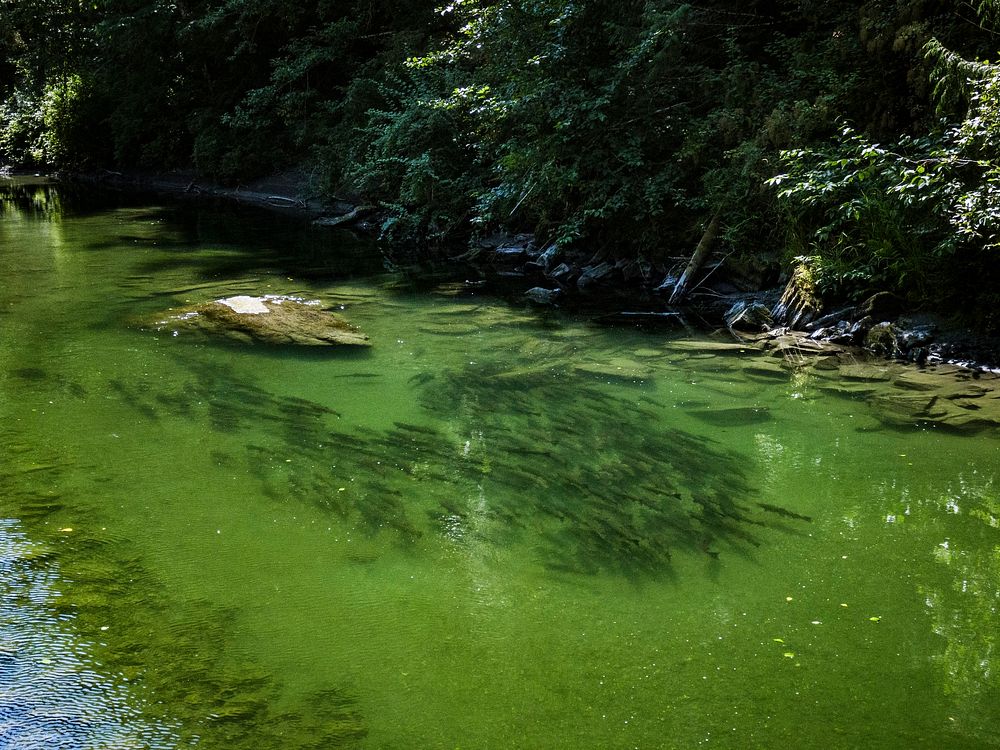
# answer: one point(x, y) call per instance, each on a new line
point(573, 475)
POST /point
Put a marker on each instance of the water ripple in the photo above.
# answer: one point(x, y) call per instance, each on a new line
point(51, 697)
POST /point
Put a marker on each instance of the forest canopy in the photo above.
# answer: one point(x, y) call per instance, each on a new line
point(861, 139)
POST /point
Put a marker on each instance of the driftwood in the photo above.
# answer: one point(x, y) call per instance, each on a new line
point(333, 221)
point(701, 252)
point(282, 200)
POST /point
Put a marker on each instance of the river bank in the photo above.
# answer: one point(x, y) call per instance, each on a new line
point(745, 299)
point(748, 303)
point(290, 193)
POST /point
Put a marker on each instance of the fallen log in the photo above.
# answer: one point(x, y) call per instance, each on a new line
point(701, 252)
point(333, 221)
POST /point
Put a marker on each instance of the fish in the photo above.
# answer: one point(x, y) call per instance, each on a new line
point(416, 428)
point(529, 452)
point(29, 373)
point(783, 512)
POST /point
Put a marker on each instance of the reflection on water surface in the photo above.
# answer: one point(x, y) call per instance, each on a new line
point(492, 530)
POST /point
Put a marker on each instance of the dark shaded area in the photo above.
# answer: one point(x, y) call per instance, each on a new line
point(617, 128)
point(617, 132)
point(246, 238)
point(606, 480)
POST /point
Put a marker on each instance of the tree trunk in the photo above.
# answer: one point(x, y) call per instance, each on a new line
point(799, 304)
point(701, 252)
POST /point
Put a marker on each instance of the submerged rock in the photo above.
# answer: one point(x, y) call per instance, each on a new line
point(618, 368)
point(271, 319)
point(541, 296)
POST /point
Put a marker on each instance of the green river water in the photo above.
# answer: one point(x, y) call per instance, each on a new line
point(495, 528)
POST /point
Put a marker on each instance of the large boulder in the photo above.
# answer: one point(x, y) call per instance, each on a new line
point(542, 297)
point(271, 319)
point(880, 306)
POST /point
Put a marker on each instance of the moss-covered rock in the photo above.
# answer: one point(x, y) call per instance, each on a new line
point(882, 339)
point(270, 319)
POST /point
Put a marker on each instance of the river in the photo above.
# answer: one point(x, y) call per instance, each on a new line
point(495, 528)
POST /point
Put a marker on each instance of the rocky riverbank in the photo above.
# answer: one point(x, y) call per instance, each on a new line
point(724, 296)
point(615, 291)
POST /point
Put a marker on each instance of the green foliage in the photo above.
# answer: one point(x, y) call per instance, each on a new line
point(235, 88)
point(955, 78)
point(411, 154)
point(615, 125)
point(48, 127)
point(22, 129)
point(976, 209)
point(872, 216)
point(895, 216)
point(43, 91)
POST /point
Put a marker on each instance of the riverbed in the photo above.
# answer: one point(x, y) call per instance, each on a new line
point(497, 527)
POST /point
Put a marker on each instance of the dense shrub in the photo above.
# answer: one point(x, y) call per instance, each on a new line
point(919, 215)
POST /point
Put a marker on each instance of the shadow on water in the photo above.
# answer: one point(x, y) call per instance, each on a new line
point(93, 655)
point(282, 353)
point(589, 479)
point(603, 477)
point(275, 243)
point(245, 237)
